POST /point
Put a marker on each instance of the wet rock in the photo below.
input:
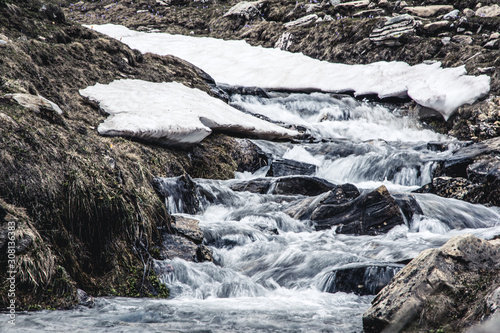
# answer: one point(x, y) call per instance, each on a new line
point(285, 167)
point(480, 121)
point(303, 185)
point(456, 165)
point(361, 279)
point(338, 195)
point(446, 287)
point(488, 11)
point(187, 227)
point(290, 185)
point(408, 205)
point(369, 214)
point(259, 185)
point(454, 187)
point(250, 157)
point(246, 9)
point(303, 21)
point(429, 11)
point(284, 42)
point(393, 30)
point(181, 194)
point(84, 299)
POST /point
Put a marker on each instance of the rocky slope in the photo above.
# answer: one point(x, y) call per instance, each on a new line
point(85, 213)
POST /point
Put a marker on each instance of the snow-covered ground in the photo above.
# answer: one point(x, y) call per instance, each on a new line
point(172, 113)
point(238, 63)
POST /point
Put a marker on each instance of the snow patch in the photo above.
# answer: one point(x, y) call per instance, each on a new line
point(172, 114)
point(238, 63)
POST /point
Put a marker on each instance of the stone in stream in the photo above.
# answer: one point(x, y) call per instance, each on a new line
point(369, 214)
point(361, 279)
point(290, 185)
point(286, 167)
point(451, 287)
point(181, 194)
point(456, 165)
point(408, 205)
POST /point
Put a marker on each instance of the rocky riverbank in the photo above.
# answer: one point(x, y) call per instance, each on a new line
point(86, 214)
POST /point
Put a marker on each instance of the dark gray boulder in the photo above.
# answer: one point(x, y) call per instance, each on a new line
point(292, 185)
point(181, 194)
point(285, 167)
point(369, 214)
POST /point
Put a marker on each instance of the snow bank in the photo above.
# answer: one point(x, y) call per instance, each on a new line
point(171, 113)
point(238, 63)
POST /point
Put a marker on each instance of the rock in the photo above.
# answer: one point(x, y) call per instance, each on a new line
point(369, 214)
point(429, 11)
point(488, 11)
point(436, 27)
point(246, 9)
point(495, 35)
point(84, 299)
point(456, 165)
point(53, 13)
point(441, 288)
point(469, 12)
point(284, 42)
point(250, 158)
point(493, 44)
point(370, 13)
point(408, 205)
point(291, 185)
point(34, 103)
point(353, 4)
point(302, 22)
point(38, 104)
point(175, 246)
point(187, 227)
point(393, 30)
point(259, 185)
point(181, 194)
point(484, 169)
point(451, 16)
point(360, 278)
point(285, 167)
point(457, 188)
point(462, 39)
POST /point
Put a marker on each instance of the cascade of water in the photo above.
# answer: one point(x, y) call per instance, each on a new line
point(273, 272)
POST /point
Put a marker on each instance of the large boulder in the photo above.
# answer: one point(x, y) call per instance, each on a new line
point(447, 288)
point(369, 214)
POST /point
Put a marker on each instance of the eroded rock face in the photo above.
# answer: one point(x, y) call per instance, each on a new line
point(446, 288)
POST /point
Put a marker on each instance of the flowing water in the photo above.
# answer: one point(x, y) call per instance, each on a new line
point(272, 273)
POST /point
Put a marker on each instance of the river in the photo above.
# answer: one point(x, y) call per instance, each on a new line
point(273, 273)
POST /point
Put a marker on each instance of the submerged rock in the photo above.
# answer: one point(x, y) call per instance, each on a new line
point(181, 194)
point(361, 279)
point(286, 167)
point(448, 288)
point(369, 214)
